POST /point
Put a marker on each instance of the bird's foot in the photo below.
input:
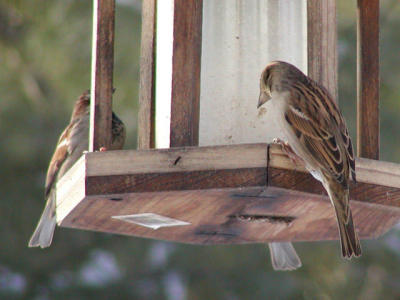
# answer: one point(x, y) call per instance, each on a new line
point(103, 149)
point(294, 158)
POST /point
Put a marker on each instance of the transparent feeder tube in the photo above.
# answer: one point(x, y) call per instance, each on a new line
point(239, 39)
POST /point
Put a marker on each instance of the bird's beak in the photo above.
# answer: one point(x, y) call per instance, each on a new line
point(262, 99)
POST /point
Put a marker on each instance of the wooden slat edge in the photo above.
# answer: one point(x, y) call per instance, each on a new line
point(102, 74)
point(221, 157)
point(186, 65)
point(368, 170)
point(147, 76)
point(176, 181)
point(304, 182)
point(378, 172)
point(177, 159)
point(368, 79)
point(71, 189)
point(321, 44)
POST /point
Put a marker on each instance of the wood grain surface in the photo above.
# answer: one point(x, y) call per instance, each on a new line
point(147, 76)
point(186, 65)
point(322, 44)
point(249, 193)
point(229, 216)
point(368, 79)
point(102, 74)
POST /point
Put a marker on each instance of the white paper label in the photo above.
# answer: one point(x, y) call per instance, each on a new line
point(151, 220)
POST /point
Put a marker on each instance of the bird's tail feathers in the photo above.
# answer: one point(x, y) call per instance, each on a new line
point(43, 234)
point(284, 256)
point(339, 196)
point(349, 241)
point(348, 237)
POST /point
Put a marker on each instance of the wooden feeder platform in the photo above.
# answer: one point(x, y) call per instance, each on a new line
point(248, 193)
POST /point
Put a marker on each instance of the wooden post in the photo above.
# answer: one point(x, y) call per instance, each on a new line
point(186, 62)
point(368, 79)
point(322, 39)
point(147, 76)
point(102, 74)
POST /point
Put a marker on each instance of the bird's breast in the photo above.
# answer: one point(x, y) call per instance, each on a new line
point(278, 107)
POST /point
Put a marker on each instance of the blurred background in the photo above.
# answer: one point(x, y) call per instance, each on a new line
point(44, 65)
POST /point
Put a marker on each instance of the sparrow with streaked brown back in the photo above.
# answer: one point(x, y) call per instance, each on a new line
point(316, 132)
point(71, 144)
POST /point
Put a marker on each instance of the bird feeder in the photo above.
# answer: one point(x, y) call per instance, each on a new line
point(204, 172)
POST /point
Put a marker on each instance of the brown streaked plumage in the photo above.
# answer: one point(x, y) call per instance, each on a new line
point(316, 131)
point(72, 142)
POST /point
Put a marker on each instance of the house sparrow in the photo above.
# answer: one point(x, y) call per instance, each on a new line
point(71, 144)
point(317, 134)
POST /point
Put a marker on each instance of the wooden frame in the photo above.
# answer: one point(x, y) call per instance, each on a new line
point(186, 61)
point(229, 194)
point(322, 40)
point(322, 67)
point(147, 78)
point(368, 78)
point(102, 74)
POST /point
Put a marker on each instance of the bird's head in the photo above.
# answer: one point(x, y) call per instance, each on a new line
point(82, 105)
point(271, 79)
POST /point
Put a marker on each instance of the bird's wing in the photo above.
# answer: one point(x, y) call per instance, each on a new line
point(349, 149)
point(59, 156)
point(78, 136)
point(318, 124)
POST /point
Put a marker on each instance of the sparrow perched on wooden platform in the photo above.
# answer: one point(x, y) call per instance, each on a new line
point(71, 144)
point(316, 133)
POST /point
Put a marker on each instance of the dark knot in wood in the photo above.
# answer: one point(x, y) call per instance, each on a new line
point(116, 199)
point(264, 218)
point(177, 160)
point(215, 233)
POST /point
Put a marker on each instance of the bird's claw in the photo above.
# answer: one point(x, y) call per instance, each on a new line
point(294, 158)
